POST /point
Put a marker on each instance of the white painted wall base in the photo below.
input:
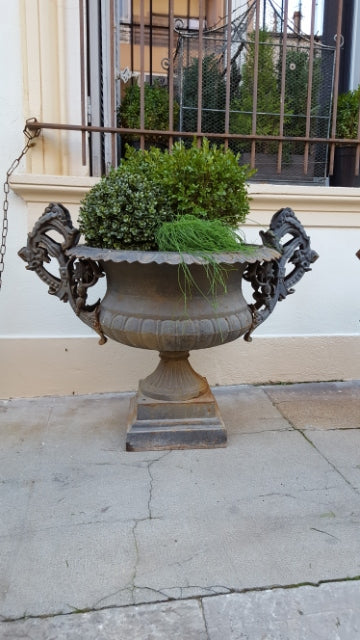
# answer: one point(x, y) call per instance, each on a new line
point(64, 366)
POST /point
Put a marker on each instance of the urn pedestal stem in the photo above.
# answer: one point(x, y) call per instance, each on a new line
point(173, 379)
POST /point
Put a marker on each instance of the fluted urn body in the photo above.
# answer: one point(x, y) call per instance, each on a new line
point(169, 302)
point(149, 305)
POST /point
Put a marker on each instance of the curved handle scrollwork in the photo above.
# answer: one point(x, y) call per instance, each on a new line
point(270, 281)
point(75, 275)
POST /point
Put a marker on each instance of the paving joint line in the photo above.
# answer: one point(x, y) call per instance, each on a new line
point(204, 619)
point(245, 590)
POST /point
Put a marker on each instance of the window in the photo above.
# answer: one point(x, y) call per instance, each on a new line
point(260, 81)
point(125, 10)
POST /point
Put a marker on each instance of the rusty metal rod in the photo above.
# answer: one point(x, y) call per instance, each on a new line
point(357, 158)
point(283, 84)
point(200, 69)
point(34, 125)
point(112, 83)
point(310, 82)
point(336, 83)
point(228, 70)
point(171, 69)
point(142, 73)
point(255, 87)
point(82, 79)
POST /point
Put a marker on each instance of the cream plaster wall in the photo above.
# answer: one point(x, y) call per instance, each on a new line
point(44, 349)
point(66, 366)
point(50, 50)
point(312, 335)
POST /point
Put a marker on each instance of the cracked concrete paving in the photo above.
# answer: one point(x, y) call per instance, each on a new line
point(178, 535)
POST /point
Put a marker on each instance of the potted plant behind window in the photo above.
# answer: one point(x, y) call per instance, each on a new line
point(156, 114)
point(268, 99)
point(347, 119)
point(164, 229)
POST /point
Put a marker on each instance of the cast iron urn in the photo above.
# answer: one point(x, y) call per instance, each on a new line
point(144, 307)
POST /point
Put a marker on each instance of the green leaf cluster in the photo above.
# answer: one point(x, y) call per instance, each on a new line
point(204, 238)
point(125, 209)
point(188, 234)
point(296, 90)
point(268, 95)
point(213, 94)
point(347, 117)
point(156, 112)
point(120, 211)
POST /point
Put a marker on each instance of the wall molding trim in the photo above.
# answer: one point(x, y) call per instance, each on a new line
point(65, 366)
point(317, 206)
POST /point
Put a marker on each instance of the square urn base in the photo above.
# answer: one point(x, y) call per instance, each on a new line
point(187, 424)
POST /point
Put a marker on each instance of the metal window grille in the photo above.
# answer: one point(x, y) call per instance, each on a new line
point(257, 79)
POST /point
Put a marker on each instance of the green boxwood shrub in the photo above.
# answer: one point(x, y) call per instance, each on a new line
point(125, 209)
point(348, 114)
point(156, 113)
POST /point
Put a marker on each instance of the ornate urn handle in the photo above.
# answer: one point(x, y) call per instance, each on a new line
point(269, 280)
point(75, 275)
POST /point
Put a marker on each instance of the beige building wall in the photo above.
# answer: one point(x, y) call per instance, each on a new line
point(313, 335)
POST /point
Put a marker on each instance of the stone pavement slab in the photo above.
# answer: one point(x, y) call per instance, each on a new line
point(318, 405)
point(342, 450)
point(167, 621)
point(326, 612)
point(86, 525)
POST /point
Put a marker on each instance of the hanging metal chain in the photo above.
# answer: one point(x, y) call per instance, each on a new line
point(30, 135)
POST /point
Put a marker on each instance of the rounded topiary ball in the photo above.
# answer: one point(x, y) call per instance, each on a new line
point(126, 208)
point(120, 212)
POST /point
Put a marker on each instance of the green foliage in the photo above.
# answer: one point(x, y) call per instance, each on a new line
point(188, 234)
point(206, 182)
point(120, 211)
point(156, 112)
point(296, 82)
point(348, 114)
point(268, 96)
point(125, 209)
point(213, 94)
point(296, 92)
